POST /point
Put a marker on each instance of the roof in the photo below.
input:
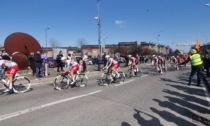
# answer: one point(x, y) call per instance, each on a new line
point(127, 43)
point(96, 46)
point(69, 48)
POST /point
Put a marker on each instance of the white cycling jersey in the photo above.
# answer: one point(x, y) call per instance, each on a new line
point(110, 62)
point(154, 60)
point(7, 63)
point(70, 63)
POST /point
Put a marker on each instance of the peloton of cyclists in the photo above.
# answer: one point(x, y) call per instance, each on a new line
point(11, 69)
point(111, 65)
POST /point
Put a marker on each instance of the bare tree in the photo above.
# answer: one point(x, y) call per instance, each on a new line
point(81, 42)
point(54, 43)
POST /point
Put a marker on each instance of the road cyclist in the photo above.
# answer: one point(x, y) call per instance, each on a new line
point(70, 73)
point(174, 62)
point(111, 67)
point(11, 81)
point(133, 70)
point(162, 64)
point(156, 64)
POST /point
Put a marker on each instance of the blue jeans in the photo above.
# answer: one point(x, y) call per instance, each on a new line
point(99, 67)
point(37, 72)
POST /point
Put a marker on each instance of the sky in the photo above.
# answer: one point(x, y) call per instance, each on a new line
point(167, 22)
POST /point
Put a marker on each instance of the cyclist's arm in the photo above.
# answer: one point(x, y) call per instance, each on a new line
point(186, 61)
point(110, 63)
point(66, 67)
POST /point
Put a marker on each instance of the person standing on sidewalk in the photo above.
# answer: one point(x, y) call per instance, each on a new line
point(38, 64)
point(84, 63)
point(73, 57)
point(45, 64)
point(59, 62)
point(32, 63)
point(104, 59)
point(98, 62)
point(196, 65)
point(69, 56)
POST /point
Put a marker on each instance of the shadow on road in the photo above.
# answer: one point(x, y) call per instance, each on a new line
point(183, 101)
point(144, 119)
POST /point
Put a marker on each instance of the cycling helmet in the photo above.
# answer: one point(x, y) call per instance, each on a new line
point(153, 55)
point(129, 56)
point(107, 56)
point(63, 58)
point(193, 51)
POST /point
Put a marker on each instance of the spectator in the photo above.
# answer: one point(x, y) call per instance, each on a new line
point(69, 56)
point(5, 56)
point(37, 64)
point(45, 64)
point(104, 59)
point(116, 57)
point(32, 63)
point(59, 62)
point(84, 64)
point(73, 57)
point(98, 62)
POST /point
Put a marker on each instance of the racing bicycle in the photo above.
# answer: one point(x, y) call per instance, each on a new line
point(63, 80)
point(137, 72)
point(20, 84)
point(106, 80)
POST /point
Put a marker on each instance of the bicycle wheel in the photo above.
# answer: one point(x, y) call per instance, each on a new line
point(81, 80)
point(138, 73)
point(108, 79)
point(61, 82)
point(21, 84)
point(129, 74)
point(122, 76)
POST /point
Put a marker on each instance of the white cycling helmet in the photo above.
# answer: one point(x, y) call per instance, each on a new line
point(153, 55)
point(129, 56)
point(107, 56)
point(63, 58)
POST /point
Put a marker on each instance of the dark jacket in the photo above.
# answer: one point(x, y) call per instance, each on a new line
point(58, 58)
point(38, 60)
point(31, 62)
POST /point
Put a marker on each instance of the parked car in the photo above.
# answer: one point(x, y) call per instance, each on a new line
point(52, 62)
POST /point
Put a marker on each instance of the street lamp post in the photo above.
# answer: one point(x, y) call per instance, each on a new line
point(158, 37)
point(104, 44)
point(46, 34)
point(99, 28)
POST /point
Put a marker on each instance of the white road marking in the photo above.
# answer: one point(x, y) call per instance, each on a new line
point(21, 112)
point(124, 82)
point(207, 95)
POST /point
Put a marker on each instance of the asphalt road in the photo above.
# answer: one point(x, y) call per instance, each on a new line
point(149, 100)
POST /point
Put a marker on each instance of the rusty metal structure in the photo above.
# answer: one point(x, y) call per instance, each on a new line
point(19, 46)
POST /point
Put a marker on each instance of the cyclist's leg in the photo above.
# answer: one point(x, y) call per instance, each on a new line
point(10, 74)
point(161, 68)
point(71, 72)
point(115, 69)
point(111, 71)
point(133, 69)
